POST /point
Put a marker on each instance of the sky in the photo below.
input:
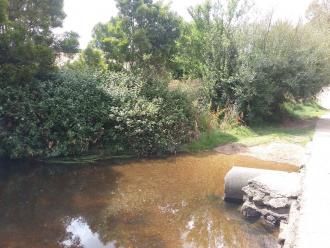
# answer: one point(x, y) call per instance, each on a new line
point(82, 15)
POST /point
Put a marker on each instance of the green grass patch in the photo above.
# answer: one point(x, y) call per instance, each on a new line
point(303, 110)
point(298, 127)
point(209, 140)
point(266, 133)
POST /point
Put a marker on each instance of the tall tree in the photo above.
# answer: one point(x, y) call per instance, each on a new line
point(189, 60)
point(209, 47)
point(27, 41)
point(319, 30)
point(142, 35)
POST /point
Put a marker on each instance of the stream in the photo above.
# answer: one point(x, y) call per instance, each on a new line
point(158, 203)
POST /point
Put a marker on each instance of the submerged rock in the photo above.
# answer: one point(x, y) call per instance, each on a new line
point(270, 196)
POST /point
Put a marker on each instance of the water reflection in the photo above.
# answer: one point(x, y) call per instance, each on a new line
point(169, 203)
point(80, 235)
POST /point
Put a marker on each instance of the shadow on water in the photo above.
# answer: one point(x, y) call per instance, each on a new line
point(173, 202)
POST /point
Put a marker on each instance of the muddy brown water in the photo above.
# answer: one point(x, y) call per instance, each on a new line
point(162, 203)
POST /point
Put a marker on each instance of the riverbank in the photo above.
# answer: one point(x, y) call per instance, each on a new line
point(283, 142)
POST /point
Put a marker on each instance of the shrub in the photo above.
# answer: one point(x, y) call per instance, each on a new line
point(252, 67)
point(53, 118)
point(148, 118)
point(77, 110)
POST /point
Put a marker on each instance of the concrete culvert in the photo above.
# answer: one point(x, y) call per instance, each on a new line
point(239, 177)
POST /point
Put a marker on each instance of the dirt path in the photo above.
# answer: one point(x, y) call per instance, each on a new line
point(276, 151)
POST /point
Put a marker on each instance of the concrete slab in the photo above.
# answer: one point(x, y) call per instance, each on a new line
point(313, 228)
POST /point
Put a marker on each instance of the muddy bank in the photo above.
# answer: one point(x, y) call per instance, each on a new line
point(281, 152)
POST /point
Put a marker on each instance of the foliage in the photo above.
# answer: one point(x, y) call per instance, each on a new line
point(211, 51)
point(298, 128)
point(288, 65)
point(254, 67)
point(3, 10)
point(89, 58)
point(51, 118)
point(142, 35)
point(238, 70)
point(68, 43)
point(191, 57)
point(302, 111)
point(80, 109)
point(319, 12)
point(209, 140)
point(26, 39)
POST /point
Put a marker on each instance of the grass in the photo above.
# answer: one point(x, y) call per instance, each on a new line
point(298, 127)
point(303, 111)
point(209, 140)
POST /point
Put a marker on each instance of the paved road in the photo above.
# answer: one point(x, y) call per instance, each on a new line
point(314, 223)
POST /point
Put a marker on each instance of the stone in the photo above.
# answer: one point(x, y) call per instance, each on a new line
point(249, 211)
point(281, 202)
point(270, 196)
point(271, 219)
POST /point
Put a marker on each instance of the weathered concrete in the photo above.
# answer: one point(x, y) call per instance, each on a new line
point(308, 218)
point(239, 177)
point(288, 229)
point(270, 196)
point(312, 227)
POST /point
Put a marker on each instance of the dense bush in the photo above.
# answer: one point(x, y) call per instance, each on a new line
point(243, 71)
point(147, 117)
point(286, 66)
point(253, 67)
point(76, 110)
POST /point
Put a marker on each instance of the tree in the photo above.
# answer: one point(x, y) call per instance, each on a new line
point(112, 40)
point(94, 58)
point(318, 30)
point(142, 35)
point(209, 48)
point(3, 11)
point(27, 41)
point(190, 58)
point(252, 68)
point(319, 12)
point(68, 43)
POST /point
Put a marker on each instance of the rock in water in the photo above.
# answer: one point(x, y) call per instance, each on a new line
point(270, 196)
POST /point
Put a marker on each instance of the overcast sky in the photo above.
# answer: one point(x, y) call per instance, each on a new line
point(82, 15)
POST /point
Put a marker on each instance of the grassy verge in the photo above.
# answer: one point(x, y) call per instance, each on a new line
point(298, 127)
